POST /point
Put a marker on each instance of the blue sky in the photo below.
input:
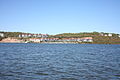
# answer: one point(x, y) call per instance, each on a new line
point(60, 16)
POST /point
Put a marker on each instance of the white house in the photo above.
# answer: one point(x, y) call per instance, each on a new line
point(37, 40)
point(87, 39)
point(105, 35)
point(101, 34)
point(109, 34)
point(118, 35)
point(2, 34)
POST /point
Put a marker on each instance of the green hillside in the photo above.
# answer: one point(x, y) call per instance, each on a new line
point(98, 38)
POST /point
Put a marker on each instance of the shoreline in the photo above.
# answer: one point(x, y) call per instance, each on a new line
point(56, 43)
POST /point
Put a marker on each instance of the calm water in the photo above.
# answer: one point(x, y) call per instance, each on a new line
point(59, 62)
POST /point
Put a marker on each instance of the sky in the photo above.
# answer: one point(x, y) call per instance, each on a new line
point(60, 16)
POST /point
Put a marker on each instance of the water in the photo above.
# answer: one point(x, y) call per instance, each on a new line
point(59, 61)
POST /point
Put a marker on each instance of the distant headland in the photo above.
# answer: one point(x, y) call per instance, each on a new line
point(79, 38)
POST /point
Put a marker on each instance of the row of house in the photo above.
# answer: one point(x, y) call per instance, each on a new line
point(38, 40)
point(25, 35)
point(84, 39)
point(109, 34)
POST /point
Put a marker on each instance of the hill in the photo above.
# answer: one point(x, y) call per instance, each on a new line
point(98, 37)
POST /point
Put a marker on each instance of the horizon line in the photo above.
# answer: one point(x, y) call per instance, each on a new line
point(61, 32)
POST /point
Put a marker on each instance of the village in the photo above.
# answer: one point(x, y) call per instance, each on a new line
point(42, 38)
point(45, 38)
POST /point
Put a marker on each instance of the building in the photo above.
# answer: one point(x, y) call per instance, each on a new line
point(71, 39)
point(109, 34)
point(101, 34)
point(87, 39)
point(105, 34)
point(36, 40)
point(26, 35)
point(119, 35)
point(1, 34)
point(84, 39)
